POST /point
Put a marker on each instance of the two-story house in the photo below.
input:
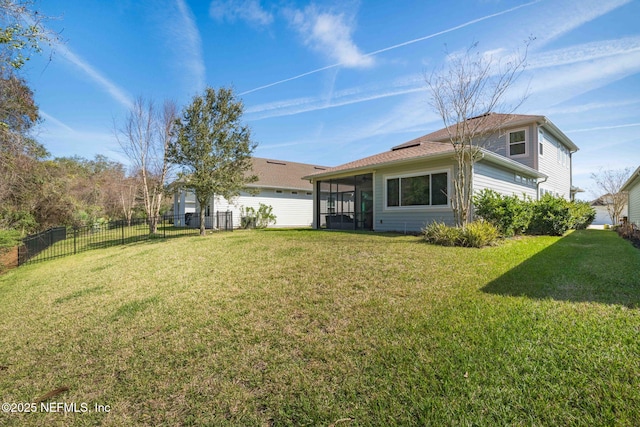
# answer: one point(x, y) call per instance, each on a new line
point(410, 185)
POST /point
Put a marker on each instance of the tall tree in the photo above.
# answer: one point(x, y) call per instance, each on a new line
point(608, 184)
point(145, 139)
point(464, 93)
point(213, 147)
point(21, 33)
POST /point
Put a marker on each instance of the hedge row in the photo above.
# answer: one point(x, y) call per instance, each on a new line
point(548, 216)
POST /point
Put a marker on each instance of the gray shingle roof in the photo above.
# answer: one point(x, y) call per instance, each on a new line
point(283, 174)
point(419, 148)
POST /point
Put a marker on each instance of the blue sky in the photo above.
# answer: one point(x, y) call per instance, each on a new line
point(330, 82)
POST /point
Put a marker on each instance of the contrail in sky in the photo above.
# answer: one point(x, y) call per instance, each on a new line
point(466, 24)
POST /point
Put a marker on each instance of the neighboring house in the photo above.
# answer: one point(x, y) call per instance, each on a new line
point(600, 205)
point(279, 185)
point(409, 186)
point(632, 186)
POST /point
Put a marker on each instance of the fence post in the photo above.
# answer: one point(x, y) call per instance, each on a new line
point(75, 236)
point(164, 227)
point(122, 226)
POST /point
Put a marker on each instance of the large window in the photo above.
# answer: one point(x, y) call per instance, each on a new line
point(417, 190)
point(518, 143)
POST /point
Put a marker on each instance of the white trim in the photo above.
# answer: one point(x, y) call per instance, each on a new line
point(525, 142)
point(541, 142)
point(431, 208)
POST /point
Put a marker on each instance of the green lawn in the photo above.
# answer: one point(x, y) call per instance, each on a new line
point(303, 327)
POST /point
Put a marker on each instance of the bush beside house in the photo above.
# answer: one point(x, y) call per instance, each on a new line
point(548, 216)
point(509, 216)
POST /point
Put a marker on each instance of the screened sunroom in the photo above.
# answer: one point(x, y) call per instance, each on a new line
point(345, 203)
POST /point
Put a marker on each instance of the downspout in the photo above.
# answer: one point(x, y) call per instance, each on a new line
point(572, 195)
point(538, 187)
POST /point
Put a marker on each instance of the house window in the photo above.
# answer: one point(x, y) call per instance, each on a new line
point(563, 156)
point(518, 143)
point(417, 190)
point(541, 143)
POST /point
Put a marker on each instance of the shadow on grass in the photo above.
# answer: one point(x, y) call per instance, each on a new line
point(584, 266)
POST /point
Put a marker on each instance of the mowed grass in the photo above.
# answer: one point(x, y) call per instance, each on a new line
point(303, 327)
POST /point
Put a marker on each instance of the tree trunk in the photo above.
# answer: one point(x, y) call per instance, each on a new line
point(203, 208)
point(153, 224)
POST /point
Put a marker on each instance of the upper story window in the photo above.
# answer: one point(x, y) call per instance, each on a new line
point(541, 143)
point(564, 157)
point(517, 143)
point(417, 190)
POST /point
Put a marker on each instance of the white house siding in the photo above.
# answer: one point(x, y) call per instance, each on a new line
point(551, 163)
point(291, 210)
point(634, 202)
point(409, 219)
point(502, 180)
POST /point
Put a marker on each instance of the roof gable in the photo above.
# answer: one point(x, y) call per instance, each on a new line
point(631, 181)
point(496, 122)
point(485, 123)
point(282, 174)
point(417, 150)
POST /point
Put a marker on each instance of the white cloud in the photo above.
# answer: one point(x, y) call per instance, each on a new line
point(187, 44)
point(560, 17)
point(354, 95)
point(561, 83)
point(592, 106)
point(246, 10)
point(64, 140)
point(107, 85)
point(585, 52)
point(330, 34)
point(393, 47)
point(591, 129)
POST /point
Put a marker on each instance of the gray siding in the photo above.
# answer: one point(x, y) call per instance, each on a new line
point(554, 164)
point(634, 202)
point(499, 142)
point(408, 219)
point(501, 180)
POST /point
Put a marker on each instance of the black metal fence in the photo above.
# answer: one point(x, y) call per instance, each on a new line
point(62, 241)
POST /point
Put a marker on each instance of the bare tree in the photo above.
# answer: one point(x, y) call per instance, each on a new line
point(464, 93)
point(609, 184)
point(144, 139)
point(127, 193)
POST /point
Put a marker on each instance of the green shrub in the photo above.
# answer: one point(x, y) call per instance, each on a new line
point(607, 227)
point(261, 218)
point(510, 214)
point(8, 239)
point(476, 235)
point(441, 234)
point(582, 215)
point(479, 234)
point(550, 216)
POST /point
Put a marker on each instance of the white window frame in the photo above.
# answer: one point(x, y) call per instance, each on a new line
point(541, 148)
point(386, 178)
point(526, 142)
